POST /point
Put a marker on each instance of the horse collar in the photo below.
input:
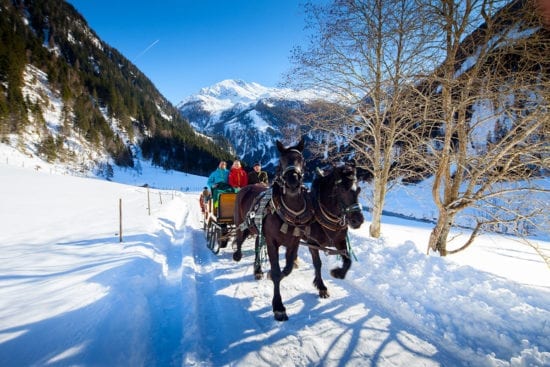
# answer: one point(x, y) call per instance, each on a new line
point(289, 216)
point(327, 219)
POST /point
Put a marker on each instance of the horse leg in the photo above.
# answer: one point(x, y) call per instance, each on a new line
point(318, 280)
point(290, 257)
point(279, 310)
point(258, 273)
point(340, 273)
point(240, 236)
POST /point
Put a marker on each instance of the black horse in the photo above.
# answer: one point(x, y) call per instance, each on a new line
point(277, 215)
point(335, 196)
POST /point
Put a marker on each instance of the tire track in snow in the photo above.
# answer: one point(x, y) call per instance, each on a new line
point(230, 321)
point(167, 305)
point(219, 322)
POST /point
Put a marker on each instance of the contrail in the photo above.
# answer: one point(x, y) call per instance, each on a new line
point(147, 49)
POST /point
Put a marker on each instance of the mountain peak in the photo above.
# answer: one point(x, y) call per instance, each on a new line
point(249, 115)
point(236, 91)
point(233, 92)
point(228, 93)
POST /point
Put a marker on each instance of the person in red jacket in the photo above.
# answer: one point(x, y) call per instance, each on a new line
point(237, 176)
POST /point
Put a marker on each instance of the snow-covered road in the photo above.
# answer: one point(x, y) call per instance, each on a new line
point(72, 294)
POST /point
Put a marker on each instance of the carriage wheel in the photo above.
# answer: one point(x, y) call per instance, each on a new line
point(215, 240)
point(209, 233)
point(224, 231)
point(205, 222)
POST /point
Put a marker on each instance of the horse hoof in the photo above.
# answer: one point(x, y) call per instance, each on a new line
point(237, 256)
point(280, 315)
point(259, 275)
point(337, 273)
point(324, 294)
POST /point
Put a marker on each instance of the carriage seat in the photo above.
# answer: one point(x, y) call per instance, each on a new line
point(226, 207)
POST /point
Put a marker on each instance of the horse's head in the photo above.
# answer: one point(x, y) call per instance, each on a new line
point(348, 191)
point(339, 190)
point(291, 165)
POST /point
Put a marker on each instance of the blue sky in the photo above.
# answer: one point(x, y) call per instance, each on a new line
point(184, 45)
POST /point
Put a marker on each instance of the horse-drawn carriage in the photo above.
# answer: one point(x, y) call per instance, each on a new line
point(287, 214)
point(220, 225)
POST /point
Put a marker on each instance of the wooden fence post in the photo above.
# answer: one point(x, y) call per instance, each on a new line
point(148, 202)
point(120, 220)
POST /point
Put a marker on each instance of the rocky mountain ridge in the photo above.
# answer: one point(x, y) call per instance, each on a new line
point(249, 117)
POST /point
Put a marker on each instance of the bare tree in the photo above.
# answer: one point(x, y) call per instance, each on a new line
point(365, 54)
point(494, 79)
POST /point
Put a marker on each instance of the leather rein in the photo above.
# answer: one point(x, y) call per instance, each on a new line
point(329, 220)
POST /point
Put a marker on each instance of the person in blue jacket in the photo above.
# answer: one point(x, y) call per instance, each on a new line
point(218, 182)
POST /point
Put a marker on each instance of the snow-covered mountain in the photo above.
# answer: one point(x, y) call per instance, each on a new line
point(250, 116)
point(80, 102)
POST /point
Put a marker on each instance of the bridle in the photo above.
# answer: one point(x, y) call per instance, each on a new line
point(328, 219)
point(281, 178)
point(296, 218)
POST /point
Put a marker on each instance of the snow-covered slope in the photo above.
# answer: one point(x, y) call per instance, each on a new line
point(72, 294)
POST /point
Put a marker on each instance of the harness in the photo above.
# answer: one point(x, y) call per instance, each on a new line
point(330, 222)
point(266, 202)
point(297, 219)
point(348, 252)
point(256, 214)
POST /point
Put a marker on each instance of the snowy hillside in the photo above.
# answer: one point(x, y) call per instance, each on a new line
point(80, 153)
point(72, 294)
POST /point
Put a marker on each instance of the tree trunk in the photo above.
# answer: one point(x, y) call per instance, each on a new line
point(374, 229)
point(440, 233)
point(378, 197)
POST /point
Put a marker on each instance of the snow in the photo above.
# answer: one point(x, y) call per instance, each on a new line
point(72, 294)
point(258, 122)
point(231, 93)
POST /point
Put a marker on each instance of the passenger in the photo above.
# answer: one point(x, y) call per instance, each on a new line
point(218, 182)
point(204, 200)
point(237, 176)
point(257, 175)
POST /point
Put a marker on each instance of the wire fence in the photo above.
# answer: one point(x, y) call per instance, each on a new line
point(131, 209)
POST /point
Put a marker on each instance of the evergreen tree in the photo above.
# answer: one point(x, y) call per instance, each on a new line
point(89, 80)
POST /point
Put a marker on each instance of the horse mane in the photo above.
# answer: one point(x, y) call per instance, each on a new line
point(323, 191)
point(323, 175)
point(348, 175)
point(341, 171)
